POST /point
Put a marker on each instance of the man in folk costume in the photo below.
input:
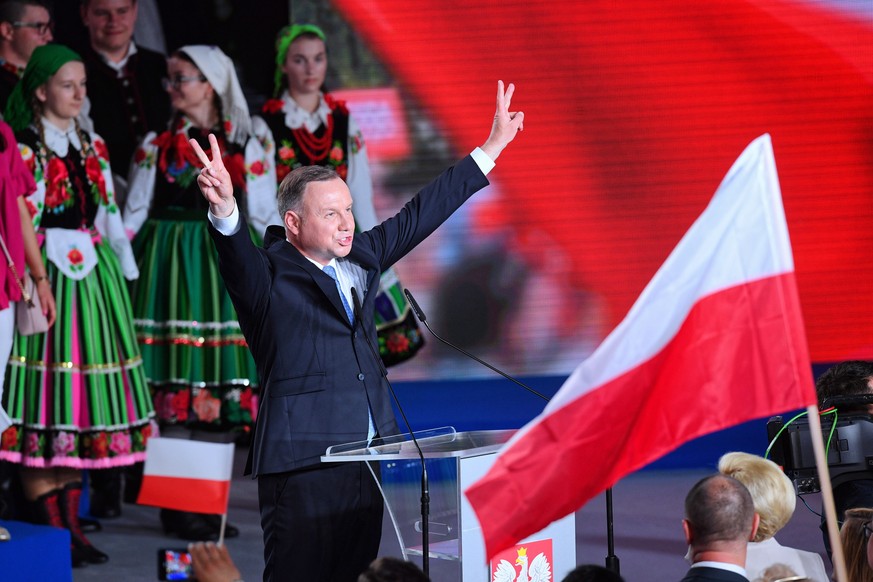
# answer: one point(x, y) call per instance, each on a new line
point(24, 25)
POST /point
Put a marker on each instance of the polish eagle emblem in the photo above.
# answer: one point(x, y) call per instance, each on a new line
point(536, 570)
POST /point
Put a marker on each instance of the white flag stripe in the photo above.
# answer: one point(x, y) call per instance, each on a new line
point(715, 245)
point(189, 459)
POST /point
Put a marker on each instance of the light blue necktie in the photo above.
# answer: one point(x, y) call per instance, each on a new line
point(331, 272)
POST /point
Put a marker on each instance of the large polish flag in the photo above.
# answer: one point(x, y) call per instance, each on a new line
point(715, 339)
point(187, 475)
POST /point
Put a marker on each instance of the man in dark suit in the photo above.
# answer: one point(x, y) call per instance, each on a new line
point(322, 385)
point(720, 520)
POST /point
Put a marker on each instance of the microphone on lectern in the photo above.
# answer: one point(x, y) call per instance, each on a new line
point(416, 307)
point(356, 309)
point(419, 313)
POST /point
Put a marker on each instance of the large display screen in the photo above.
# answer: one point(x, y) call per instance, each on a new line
point(634, 111)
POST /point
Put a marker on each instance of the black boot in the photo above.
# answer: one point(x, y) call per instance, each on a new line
point(69, 509)
point(195, 527)
point(13, 503)
point(105, 493)
point(187, 525)
point(132, 482)
point(47, 511)
point(230, 530)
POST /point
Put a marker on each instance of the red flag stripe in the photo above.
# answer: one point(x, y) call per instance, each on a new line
point(749, 338)
point(184, 494)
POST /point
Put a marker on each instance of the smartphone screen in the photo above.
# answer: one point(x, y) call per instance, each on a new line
point(174, 565)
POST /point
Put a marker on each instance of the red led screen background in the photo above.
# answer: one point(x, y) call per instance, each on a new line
point(634, 112)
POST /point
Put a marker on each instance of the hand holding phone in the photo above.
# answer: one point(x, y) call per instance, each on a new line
point(175, 564)
point(212, 563)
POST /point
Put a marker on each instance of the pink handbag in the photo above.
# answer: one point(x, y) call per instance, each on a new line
point(29, 317)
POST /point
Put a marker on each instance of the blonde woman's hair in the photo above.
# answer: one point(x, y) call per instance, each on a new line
point(772, 491)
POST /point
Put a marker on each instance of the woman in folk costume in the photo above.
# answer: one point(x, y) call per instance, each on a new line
point(19, 238)
point(197, 360)
point(312, 128)
point(77, 395)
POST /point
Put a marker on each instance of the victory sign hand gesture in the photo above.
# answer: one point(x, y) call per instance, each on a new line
point(214, 179)
point(506, 123)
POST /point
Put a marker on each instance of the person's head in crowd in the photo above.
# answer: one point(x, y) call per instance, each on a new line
point(110, 25)
point(592, 573)
point(301, 61)
point(720, 520)
point(24, 25)
point(52, 86)
point(212, 563)
point(387, 569)
point(870, 552)
point(851, 378)
point(203, 85)
point(855, 537)
point(778, 572)
point(772, 491)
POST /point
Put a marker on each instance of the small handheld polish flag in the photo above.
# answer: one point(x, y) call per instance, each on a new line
point(187, 475)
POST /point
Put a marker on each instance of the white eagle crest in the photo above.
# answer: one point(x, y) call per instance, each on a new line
point(539, 569)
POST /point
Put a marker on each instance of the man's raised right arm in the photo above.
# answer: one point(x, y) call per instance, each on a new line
point(245, 270)
point(214, 179)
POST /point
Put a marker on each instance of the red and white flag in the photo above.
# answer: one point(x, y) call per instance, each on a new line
point(715, 339)
point(187, 475)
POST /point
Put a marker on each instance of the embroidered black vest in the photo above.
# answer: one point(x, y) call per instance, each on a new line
point(83, 210)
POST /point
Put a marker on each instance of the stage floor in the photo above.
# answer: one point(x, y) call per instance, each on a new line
point(647, 519)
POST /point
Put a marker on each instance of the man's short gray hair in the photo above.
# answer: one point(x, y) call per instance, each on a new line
point(294, 185)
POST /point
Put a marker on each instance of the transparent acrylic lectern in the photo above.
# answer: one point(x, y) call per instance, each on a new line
point(455, 460)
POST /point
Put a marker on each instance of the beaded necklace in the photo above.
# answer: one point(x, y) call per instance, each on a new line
point(315, 148)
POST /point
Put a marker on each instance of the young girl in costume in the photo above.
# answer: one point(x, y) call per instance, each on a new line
point(197, 361)
point(77, 395)
point(312, 128)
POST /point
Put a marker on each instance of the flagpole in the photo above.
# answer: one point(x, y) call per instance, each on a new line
point(827, 494)
point(611, 558)
point(221, 532)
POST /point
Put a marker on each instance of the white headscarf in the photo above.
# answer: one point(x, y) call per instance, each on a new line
point(219, 71)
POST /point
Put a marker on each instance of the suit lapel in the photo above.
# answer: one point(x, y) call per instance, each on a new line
point(321, 280)
point(360, 254)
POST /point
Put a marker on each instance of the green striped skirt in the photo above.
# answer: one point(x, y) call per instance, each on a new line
point(77, 394)
point(196, 359)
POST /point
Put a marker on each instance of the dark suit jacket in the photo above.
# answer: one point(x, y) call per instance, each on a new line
point(317, 373)
point(712, 575)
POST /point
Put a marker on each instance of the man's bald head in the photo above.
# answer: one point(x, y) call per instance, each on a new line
point(719, 509)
